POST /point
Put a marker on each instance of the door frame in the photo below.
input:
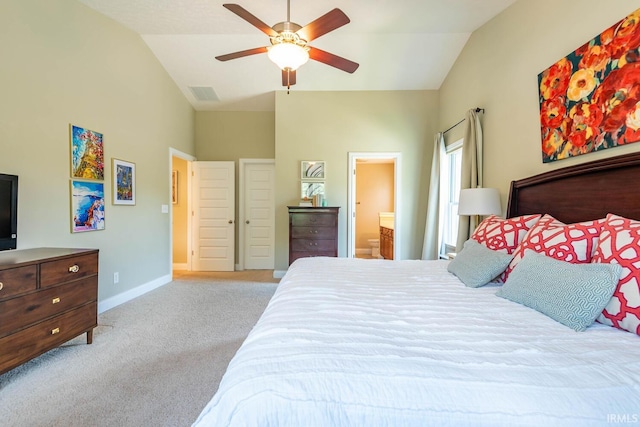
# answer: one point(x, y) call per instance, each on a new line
point(189, 158)
point(351, 198)
point(242, 163)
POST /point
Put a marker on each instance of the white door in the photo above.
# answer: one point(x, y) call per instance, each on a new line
point(213, 216)
point(259, 216)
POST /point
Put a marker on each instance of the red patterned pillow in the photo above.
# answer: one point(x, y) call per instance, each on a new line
point(620, 244)
point(503, 235)
point(573, 243)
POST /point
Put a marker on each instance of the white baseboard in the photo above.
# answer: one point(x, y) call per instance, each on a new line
point(180, 266)
point(279, 274)
point(116, 300)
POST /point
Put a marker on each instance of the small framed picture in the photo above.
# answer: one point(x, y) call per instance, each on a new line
point(174, 187)
point(124, 182)
point(311, 188)
point(87, 206)
point(312, 169)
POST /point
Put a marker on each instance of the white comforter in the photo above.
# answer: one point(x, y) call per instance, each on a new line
point(349, 342)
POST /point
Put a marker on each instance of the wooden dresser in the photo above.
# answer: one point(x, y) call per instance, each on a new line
point(47, 297)
point(386, 242)
point(313, 231)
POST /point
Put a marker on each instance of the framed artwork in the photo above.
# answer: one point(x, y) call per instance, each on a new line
point(174, 187)
point(87, 155)
point(589, 100)
point(312, 169)
point(124, 182)
point(311, 188)
point(87, 206)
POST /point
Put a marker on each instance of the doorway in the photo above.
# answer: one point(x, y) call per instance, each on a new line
point(373, 205)
point(202, 214)
point(180, 206)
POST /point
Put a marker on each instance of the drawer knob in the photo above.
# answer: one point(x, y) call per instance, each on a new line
point(74, 268)
point(55, 300)
point(55, 331)
point(1, 285)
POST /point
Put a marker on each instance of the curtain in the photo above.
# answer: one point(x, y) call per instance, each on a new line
point(432, 234)
point(471, 170)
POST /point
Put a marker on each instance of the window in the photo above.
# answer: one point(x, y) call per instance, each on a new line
point(450, 174)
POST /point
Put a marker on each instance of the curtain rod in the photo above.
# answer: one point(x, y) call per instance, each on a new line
point(478, 109)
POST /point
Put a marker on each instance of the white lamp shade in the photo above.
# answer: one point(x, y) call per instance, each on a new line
point(479, 201)
point(288, 55)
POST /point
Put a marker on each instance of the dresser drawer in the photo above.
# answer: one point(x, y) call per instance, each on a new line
point(313, 233)
point(17, 281)
point(46, 303)
point(319, 219)
point(64, 270)
point(35, 340)
point(312, 245)
point(293, 255)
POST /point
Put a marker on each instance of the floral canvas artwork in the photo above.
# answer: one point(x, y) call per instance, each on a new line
point(87, 156)
point(590, 100)
point(87, 206)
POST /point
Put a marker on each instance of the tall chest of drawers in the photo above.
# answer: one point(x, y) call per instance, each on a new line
point(313, 231)
point(47, 297)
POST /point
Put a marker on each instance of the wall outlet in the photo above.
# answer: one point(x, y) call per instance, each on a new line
point(116, 277)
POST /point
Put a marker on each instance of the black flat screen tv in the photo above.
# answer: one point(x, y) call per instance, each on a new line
point(8, 211)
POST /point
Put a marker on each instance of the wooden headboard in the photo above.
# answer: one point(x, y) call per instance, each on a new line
point(582, 192)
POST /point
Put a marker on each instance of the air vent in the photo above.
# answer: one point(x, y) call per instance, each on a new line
point(204, 93)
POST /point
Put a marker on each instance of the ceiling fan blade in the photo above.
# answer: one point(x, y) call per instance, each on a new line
point(288, 77)
point(321, 26)
point(333, 60)
point(251, 19)
point(241, 53)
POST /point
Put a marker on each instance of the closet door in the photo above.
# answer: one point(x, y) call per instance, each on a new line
point(213, 216)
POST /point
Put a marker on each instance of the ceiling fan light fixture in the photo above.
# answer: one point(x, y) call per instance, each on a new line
point(287, 55)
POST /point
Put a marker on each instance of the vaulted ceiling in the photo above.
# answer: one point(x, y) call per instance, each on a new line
point(400, 45)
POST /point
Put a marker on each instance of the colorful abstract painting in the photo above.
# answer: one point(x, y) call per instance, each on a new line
point(590, 100)
point(87, 155)
point(87, 206)
point(124, 182)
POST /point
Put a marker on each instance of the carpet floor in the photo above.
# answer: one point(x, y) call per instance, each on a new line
point(155, 360)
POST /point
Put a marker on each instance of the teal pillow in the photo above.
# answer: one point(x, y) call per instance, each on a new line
point(476, 265)
point(572, 294)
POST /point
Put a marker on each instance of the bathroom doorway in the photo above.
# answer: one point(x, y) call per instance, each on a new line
point(373, 201)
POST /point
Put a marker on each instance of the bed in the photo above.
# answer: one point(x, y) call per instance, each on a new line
point(351, 342)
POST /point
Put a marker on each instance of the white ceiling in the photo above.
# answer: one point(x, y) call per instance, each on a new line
point(400, 45)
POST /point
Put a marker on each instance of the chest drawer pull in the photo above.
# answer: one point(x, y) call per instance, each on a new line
point(74, 268)
point(55, 331)
point(55, 300)
point(1, 285)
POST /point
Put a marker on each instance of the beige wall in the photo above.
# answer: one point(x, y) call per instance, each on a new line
point(180, 213)
point(328, 125)
point(498, 70)
point(374, 189)
point(62, 64)
point(235, 135)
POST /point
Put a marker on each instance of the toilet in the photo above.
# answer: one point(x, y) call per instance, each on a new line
point(375, 247)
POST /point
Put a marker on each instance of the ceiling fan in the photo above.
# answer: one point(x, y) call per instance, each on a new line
point(289, 42)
